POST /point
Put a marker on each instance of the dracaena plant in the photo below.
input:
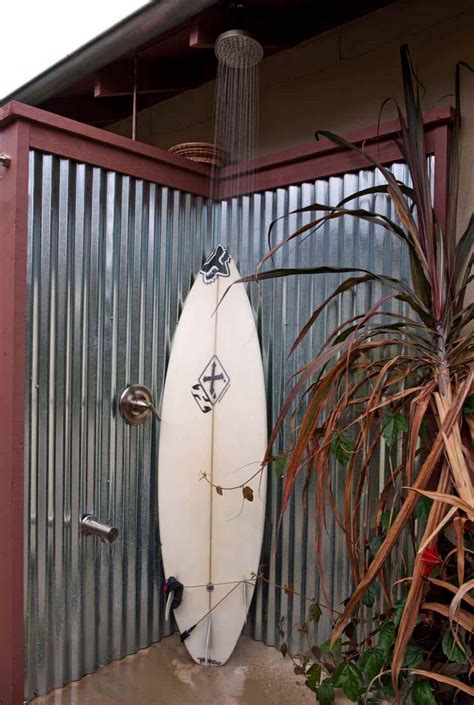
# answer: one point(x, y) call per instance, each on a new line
point(382, 376)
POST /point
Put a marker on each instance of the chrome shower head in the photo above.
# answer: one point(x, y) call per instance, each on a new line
point(238, 50)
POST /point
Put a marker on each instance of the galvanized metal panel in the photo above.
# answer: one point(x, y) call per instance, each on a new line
point(111, 260)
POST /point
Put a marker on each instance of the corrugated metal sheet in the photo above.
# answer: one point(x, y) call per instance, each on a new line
point(111, 260)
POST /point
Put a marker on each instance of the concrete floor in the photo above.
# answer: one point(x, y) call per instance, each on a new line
point(165, 675)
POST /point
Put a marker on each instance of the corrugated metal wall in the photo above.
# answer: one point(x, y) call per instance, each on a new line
point(111, 260)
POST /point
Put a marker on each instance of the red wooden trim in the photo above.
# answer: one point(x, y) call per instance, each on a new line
point(59, 135)
point(69, 138)
point(323, 158)
point(107, 156)
point(14, 140)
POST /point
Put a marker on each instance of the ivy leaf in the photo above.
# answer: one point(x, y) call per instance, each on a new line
point(314, 612)
point(279, 466)
point(313, 676)
point(371, 594)
point(219, 490)
point(375, 543)
point(325, 693)
point(284, 649)
point(350, 630)
point(413, 656)
point(423, 509)
point(398, 608)
point(371, 663)
point(248, 493)
point(468, 407)
point(394, 426)
point(348, 677)
point(452, 650)
point(386, 640)
point(352, 684)
point(342, 447)
point(326, 647)
point(423, 693)
point(387, 519)
point(336, 679)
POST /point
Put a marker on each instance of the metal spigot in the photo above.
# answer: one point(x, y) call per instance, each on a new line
point(91, 526)
point(136, 405)
point(5, 163)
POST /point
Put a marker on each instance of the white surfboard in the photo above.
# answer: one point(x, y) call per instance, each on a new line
point(213, 430)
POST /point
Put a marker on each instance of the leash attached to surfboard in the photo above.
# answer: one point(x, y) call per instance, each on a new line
point(174, 591)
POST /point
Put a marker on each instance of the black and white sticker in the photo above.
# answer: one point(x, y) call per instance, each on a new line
point(211, 385)
point(216, 265)
point(201, 398)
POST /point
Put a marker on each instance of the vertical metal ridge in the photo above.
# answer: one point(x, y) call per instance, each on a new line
point(111, 260)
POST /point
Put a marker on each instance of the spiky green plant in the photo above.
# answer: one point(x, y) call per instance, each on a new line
point(413, 371)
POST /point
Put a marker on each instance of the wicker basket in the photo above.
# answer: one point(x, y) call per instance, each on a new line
point(201, 152)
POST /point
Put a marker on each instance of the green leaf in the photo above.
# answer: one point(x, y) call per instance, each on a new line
point(279, 466)
point(325, 693)
point(313, 676)
point(413, 656)
point(371, 594)
point(314, 612)
point(342, 446)
point(423, 693)
point(386, 640)
point(326, 647)
point(336, 679)
point(387, 519)
point(452, 650)
point(398, 608)
point(468, 407)
point(375, 543)
point(350, 630)
point(394, 426)
point(371, 663)
point(348, 677)
point(423, 509)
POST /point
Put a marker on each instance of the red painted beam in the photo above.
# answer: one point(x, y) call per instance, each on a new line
point(59, 135)
point(14, 140)
point(160, 76)
point(323, 158)
point(62, 136)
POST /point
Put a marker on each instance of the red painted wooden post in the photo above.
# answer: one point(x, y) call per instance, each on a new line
point(14, 141)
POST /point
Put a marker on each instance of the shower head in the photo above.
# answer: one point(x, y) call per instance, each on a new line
point(238, 50)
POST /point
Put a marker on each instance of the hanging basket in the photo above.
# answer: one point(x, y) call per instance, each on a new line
point(202, 152)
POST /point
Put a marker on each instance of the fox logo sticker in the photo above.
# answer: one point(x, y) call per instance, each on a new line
point(216, 265)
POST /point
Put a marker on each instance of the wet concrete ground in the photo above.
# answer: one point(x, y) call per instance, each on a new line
point(165, 675)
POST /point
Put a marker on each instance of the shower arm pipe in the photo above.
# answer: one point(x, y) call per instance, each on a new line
point(142, 27)
point(135, 96)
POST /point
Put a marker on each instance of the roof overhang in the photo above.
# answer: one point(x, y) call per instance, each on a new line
point(166, 48)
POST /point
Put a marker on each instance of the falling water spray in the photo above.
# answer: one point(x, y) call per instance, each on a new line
point(236, 111)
